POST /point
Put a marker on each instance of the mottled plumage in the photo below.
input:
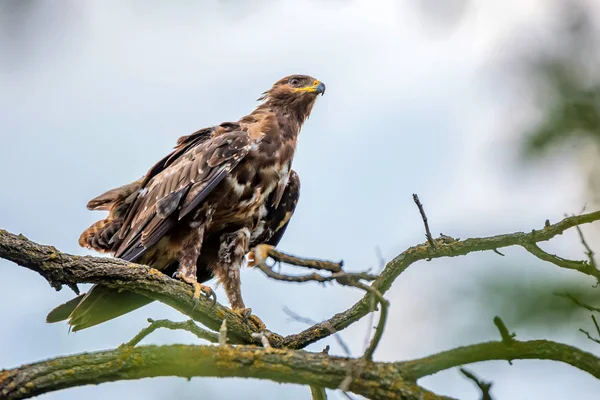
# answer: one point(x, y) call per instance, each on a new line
point(198, 211)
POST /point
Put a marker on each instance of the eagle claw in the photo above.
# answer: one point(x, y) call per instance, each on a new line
point(198, 289)
point(258, 255)
point(246, 314)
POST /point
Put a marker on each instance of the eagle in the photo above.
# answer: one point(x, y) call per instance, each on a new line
point(198, 212)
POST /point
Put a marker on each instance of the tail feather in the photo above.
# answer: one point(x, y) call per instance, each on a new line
point(62, 312)
point(99, 305)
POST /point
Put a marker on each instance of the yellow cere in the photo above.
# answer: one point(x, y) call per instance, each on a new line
point(312, 88)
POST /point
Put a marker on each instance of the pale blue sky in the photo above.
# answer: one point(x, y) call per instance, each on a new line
point(94, 92)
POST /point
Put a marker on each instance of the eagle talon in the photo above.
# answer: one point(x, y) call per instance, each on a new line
point(259, 254)
point(198, 289)
point(247, 316)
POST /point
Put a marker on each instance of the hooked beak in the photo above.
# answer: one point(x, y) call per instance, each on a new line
point(320, 88)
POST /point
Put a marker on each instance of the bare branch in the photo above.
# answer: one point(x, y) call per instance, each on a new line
point(188, 325)
point(498, 350)
point(507, 337)
point(314, 277)
point(378, 380)
point(588, 250)
point(382, 319)
point(425, 222)
point(305, 320)
point(581, 266)
point(483, 386)
point(318, 393)
point(577, 301)
point(61, 268)
point(371, 379)
point(343, 278)
point(593, 339)
point(446, 247)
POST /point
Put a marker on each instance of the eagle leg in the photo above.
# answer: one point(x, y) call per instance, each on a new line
point(232, 252)
point(190, 250)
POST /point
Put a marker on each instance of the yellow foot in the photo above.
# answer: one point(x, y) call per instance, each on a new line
point(198, 289)
point(246, 314)
point(259, 254)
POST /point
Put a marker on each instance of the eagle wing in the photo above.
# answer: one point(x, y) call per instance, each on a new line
point(103, 235)
point(175, 191)
point(184, 143)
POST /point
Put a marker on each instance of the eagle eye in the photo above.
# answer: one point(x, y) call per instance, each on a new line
point(294, 81)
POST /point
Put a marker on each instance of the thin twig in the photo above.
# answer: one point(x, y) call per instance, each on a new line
point(305, 320)
point(482, 385)
point(425, 222)
point(368, 355)
point(507, 337)
point(188, 325)
point(597, 330)
point(313, 277)
point(588, 250)
point(578, 302)
point(318, 393)
point(581, 266)
point(589, 336)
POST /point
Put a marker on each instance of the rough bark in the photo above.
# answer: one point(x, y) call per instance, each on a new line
point(282, 361)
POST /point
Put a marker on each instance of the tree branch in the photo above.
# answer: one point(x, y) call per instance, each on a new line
point(483, 386)
point(377, 381)
point(374, 380)
point(188, 325)
point(318, 393)
point(498, 350)
point(445, 247)
point(61, 268)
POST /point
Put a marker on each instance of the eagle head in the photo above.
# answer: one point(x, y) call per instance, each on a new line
point(295, 92)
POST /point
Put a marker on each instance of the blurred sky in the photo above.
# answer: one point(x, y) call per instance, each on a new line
point(93, 93)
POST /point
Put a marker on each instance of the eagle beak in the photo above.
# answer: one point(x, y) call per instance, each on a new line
point(317, 87)
point(320, 88)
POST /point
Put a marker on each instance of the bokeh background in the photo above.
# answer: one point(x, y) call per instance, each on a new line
point(488, 110)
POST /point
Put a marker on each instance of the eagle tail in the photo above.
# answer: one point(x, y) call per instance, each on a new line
point(99, 305)
point(62, 312)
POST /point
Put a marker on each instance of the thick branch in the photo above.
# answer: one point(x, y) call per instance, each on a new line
point(529, 350)
point(445, 247)
point(61, 268)
point(377, 381)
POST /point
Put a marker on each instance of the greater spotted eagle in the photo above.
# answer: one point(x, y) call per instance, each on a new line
point(198, 211)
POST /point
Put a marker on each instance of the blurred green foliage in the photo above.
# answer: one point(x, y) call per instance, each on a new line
point(566, 78)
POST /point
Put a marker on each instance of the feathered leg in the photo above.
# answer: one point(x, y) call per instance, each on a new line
point(232, 251)
point(190, 250)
